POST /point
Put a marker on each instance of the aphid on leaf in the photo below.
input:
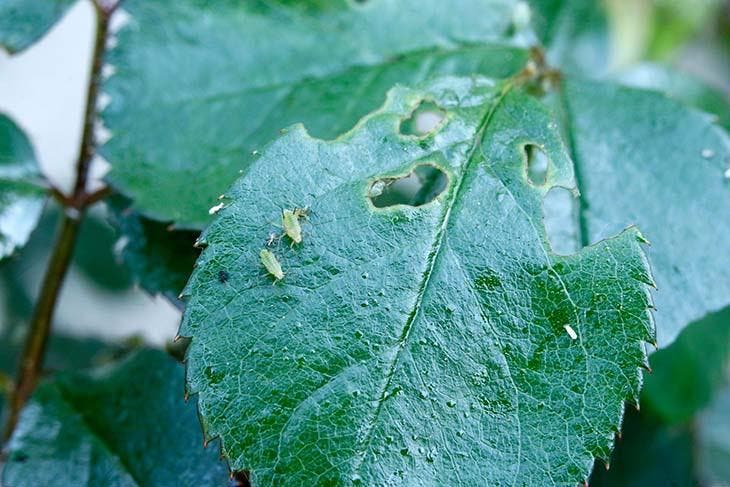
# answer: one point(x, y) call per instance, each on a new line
point(223, 276)
point(271, 263)
point(290, 222)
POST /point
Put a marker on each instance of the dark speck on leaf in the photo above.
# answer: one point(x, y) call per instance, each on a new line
point(223, 276)
point(19, 457)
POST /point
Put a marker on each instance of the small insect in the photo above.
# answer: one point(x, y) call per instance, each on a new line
point(271, 263)
point(290, 222)
point(223, 276)
point(571, 332)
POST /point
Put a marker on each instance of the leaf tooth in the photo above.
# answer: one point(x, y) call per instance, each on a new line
point(644, 276)
point(649, 327)
point(603, 457)
point(640, 236)
point(645, 365)
point(635, 403)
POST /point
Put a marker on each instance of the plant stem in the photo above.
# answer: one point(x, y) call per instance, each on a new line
point(40, 325)
point(31, 360)
point(88, 141)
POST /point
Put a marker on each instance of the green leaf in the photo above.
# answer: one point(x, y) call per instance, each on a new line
point(199, 86)
point(119, 425)
point(64, 352)
point(22, 188)
point(681, 86)
point(22, 22)
point(688, 373)
point(159, 258)
point(649, 453)
point(575, 34)
point(713, 440)
point(647, 160)
point(411, 344)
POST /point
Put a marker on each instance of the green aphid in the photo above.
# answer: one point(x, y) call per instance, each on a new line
point(290, 222)
point(272, 264)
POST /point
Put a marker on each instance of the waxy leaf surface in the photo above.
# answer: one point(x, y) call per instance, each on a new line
point(647, 160)
point(414, 345)
point(200, 85)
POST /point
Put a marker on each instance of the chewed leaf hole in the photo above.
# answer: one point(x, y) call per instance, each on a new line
point(425, 119)
point(537, 164)
point(560, 216)
point(240, 479)
point(423, 185)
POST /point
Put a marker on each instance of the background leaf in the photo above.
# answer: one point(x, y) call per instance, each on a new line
point(424, 343)
point(644, 159)
point(22, 188)
point(575, 34)
point(199, 87)
point(713, 439)
point(159, 258)
point(681, 86)
point(649, 453)
point(119, 425)
point(23, 22)
point(688, 373)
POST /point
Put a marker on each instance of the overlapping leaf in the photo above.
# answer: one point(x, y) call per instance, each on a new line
point(22, 188)
point(159, 259)
point(201, 85)
point(121, 425)
point(574, 33)
point(681, 86)
point(688, 374)
point(23, 22)
point(422, 345)
point(649, 452)
point(713, 441)
point(647, 160)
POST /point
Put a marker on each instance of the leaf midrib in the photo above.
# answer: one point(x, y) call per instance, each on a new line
point(426, 278)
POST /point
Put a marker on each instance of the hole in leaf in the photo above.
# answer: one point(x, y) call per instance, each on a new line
point(240, 479)
point(560, 215)
point(537, 164)
point(425, 119)
point(421, 186)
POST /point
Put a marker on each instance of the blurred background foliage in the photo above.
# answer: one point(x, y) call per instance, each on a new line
point(680, 436)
